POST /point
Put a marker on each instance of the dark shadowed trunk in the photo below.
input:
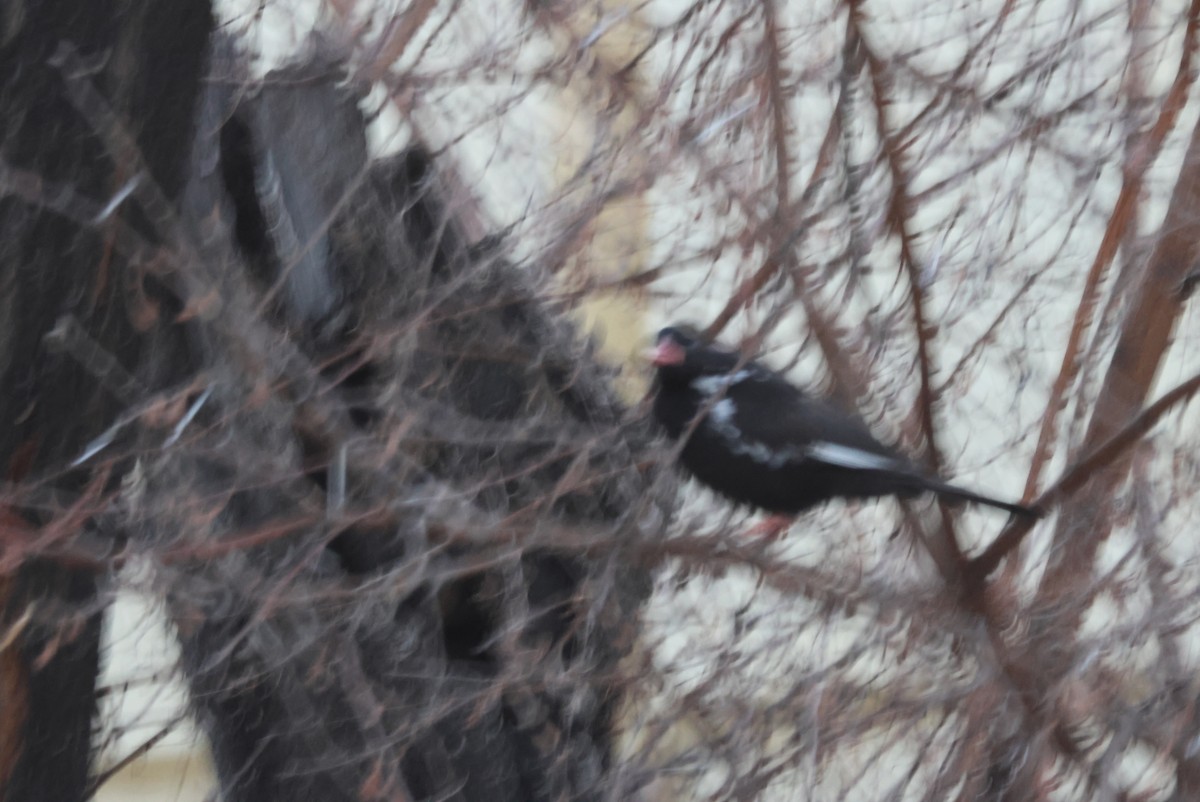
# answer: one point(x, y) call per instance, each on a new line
point(383, 495)
point(429, 624)
point(145, 59)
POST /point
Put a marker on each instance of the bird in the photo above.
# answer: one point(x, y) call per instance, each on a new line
point(760, 441)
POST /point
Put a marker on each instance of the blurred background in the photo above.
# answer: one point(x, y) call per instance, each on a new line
point(973, 223)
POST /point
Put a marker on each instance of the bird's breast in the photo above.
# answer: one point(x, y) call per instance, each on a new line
point(674, 409)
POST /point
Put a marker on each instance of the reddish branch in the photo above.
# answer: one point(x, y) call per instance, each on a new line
point(970, 59)
point(898, 216)
point(13, 680)
point(1079, 474)
point(1114, 234)
point(1017, 668)
point(779, 235)
point(395, 41)
point(1140, 349)
point(848, 383)
point(777, 258)
point(776, 95)
point(990, 333)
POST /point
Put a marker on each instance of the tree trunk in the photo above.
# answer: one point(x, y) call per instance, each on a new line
point(146, 60)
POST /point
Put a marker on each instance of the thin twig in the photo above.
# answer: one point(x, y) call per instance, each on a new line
point(1077, 475)
point(1114, 234)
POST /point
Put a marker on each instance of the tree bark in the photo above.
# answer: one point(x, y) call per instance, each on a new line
point(146, 59)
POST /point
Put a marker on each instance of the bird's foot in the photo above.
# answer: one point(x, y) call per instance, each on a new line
point(770, 528)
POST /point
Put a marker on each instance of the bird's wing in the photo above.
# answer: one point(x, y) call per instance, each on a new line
point(767, 418)
point(761, 416)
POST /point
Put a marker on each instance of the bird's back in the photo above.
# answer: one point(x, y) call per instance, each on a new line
point(764, 443)
point(758, 440)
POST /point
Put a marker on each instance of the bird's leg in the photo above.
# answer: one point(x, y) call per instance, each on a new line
point(770, 528)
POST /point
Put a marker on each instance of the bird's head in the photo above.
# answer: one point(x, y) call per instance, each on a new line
point(682, 352)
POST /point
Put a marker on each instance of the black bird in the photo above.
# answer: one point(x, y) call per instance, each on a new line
point(763, 442)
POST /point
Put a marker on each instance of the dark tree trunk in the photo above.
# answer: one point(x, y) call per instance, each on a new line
point(389, 525)
point(145, 58)
point(484, 670)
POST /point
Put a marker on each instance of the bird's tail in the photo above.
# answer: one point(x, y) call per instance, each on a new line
point(955, 493)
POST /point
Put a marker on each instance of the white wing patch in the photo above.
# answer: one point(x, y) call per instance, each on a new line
point(847, 457)
point(722, 415)
point(711, 385)
point(720, 420)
